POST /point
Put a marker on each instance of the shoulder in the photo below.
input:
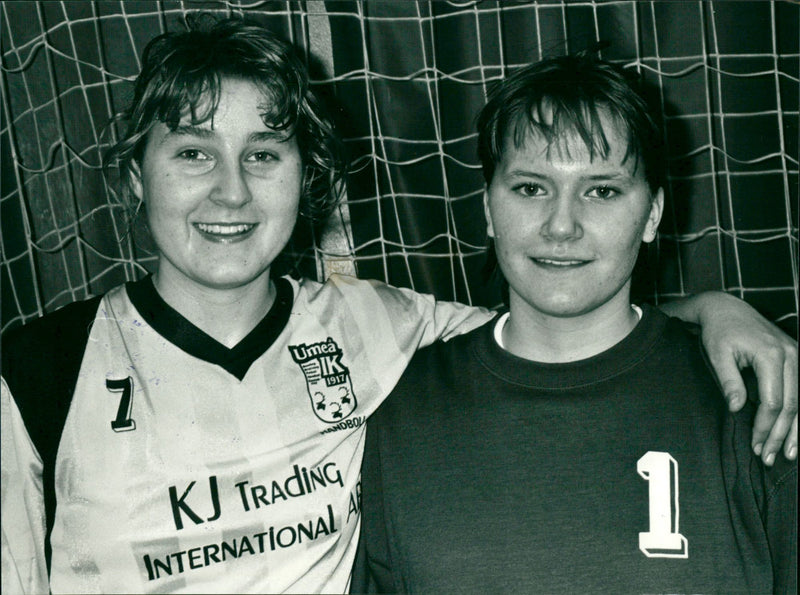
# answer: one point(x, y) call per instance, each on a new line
point(679, 346)
point(436, 373)
point(46, 353)
point(52, 333)
point(40, 365)
point(339, 287)
point(63, 317)
point(335, 282)
point(671, 327)
point(365, 298)
point(363, 291)
point(443, 359)
point(345, 298)
point(348, 286)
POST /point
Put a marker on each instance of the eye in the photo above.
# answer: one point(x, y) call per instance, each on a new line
point(603, 192)
point(530, 189)
point(261, 156)
point(193, 155)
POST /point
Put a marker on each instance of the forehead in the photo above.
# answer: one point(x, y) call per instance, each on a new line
point(567, 148)
point(235, 98)
point(239, 114)
point(565, 143)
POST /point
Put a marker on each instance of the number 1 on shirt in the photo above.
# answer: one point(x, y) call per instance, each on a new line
point(663, 539)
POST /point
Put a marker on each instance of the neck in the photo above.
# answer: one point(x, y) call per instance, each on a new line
point(227, 315)
point(532, 335)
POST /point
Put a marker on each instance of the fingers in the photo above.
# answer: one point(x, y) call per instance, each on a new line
point(782, 427)
point(790, 446)
point(730, 379)
point(740, 339)
point(790, 390)
point(776, 419)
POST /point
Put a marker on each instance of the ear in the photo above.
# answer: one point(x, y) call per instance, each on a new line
point(135, 180)
point(654, 218)
point(488, 214)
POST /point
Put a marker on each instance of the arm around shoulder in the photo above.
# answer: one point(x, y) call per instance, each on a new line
point(735, 337)
point(418, 318)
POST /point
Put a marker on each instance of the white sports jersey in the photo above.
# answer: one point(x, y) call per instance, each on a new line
point(184, 466)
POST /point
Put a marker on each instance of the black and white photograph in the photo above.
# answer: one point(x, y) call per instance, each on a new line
point(397, 296)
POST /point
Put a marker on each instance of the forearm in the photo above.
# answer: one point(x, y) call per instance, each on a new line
point(695, 308)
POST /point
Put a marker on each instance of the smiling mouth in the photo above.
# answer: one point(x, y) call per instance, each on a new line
point(561, 263)
point(225, 232)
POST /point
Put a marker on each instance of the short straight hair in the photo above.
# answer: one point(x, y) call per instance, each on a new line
point(563, 97)
point(560, 98)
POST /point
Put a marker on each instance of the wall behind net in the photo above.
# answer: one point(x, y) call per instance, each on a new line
point(405, 81)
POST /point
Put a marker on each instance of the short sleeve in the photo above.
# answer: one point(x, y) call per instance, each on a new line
point(24, 569)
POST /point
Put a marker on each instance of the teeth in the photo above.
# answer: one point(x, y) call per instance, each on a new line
point(562, 263)
point(225, 230)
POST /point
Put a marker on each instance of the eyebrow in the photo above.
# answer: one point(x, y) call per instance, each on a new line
point(616, 175)
point(206, 133)
point(609, 176)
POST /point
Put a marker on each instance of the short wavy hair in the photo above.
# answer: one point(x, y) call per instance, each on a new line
point(563, 96)
point(180, 70)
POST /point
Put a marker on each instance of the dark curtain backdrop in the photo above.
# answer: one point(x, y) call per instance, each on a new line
point(404, 81)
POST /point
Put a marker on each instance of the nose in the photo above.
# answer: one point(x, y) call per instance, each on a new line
point(231, 187)
point(562, 223)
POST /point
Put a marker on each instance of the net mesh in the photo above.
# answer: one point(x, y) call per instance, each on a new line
point(405, 80)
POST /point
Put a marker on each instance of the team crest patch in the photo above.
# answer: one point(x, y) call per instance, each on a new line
point(327, 379)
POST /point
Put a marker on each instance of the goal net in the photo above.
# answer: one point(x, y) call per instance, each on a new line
point(404, 80)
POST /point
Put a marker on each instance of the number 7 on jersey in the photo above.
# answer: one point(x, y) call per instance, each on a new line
point(663, 539)
point(123, 421)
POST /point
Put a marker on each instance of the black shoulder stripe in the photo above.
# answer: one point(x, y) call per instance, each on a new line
point(41, 362)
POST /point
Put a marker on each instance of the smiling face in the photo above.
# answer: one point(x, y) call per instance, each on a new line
point(221, 196)
point(567, 229)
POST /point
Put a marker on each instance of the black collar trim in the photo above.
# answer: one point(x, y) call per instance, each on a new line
point(171, 325)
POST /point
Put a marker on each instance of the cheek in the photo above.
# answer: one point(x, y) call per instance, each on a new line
point(637, 236)
point(507, 221)
point(168, 202)
point(625, 244)
point(289, 195)
point(619, 229)
point(160, 192)
point(512, 251)
point(282, 200)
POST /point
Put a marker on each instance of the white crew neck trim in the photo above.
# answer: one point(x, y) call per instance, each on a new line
point(501, 324)
point(498, 329)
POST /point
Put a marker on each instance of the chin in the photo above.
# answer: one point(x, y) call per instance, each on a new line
point(231, 280)
point(558, 304)
point(564, 311)
point(562, 308)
